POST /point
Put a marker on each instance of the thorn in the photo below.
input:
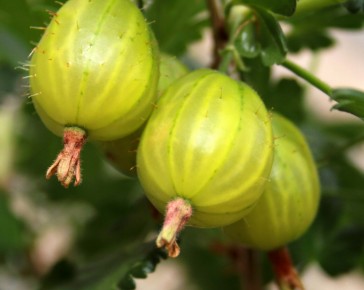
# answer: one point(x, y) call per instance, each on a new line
point(59, 3)
point(29, 76)
point(25, 64)
point(133, 168)
point(151, 22)
point(22, 68)
point(52, 13)
point(32, 52)
point(33, 95)
point(38, 27)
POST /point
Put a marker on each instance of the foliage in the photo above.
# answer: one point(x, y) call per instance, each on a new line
point(109, 218)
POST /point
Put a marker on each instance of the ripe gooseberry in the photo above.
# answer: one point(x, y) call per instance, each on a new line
point(290, 200)
point(93, 75)
point(205, 153)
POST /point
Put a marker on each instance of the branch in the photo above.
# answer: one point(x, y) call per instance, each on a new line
point(219, 32)
point(307, 76)
point(286, 275)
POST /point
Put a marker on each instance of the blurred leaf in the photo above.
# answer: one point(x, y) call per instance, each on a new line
point(176, 24)
point(271, 37)
point(12, 232)
point(246, 41)
point(282, 7)
point(350, 101)
point(16, 17)
point(332, 17)
point(215, 272)
point(343, 251)
point(114, 270)
point(314, 40)
point(62, 271)
point(286, 97)
point(12, 48)
point(258, 76)
point(347, 131)
point(355, 6)
point(142, 268)
point(312, 30)
point(8, 80)
point(116, 227)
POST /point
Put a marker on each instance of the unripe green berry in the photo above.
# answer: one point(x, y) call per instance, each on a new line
point(290, 201)
point(207, 148)
point(121, 153)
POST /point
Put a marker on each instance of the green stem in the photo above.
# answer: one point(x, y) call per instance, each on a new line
point(227, 56)
point(307, 76)
point(219, 32)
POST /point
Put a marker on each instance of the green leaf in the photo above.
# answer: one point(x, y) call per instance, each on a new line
point(176, 24)
point(343, 251)
point(313, 39)
point(271, 38)
point(111, 271)
point(350, 101)
point(286, 97)
point(333, 17)
point(257, 76)
point(127, 283)
point(199, 255)
point(247, 43)
point(355, 6)
point(282, 7)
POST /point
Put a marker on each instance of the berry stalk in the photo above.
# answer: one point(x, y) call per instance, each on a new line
point(67, 165)
point(178, 212)
point(286, 275)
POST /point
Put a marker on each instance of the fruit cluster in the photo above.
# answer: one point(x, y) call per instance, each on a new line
point(204, 147)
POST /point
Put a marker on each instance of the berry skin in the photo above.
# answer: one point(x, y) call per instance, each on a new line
point(290, 201)
point(206, 151)
point(121, 153)
point(95, 69)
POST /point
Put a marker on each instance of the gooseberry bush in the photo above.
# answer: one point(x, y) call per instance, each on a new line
point(221, 166)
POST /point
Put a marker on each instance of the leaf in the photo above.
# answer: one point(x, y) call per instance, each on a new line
point(258, 76)
point(346, 132)
point(176, 24)
point(344, 250)
point(247, 43)
point(215, 271)
point(8, 80)
point(271, 38)
point(111, 271)
point(282, 7)
point(332, 17)
point(313, 39)
point(354, 6)
point(350, 101)
point(286, 97)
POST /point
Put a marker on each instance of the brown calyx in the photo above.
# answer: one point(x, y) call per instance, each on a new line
point(67, 165)
point(178, 213)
